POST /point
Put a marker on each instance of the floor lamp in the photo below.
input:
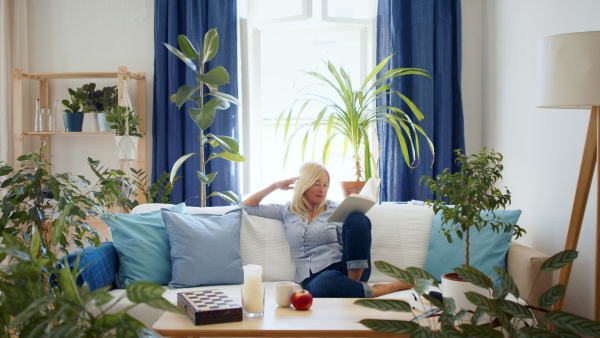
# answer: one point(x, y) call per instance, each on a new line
point(568, 77)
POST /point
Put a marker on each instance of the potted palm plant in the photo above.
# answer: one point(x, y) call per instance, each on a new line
point(472, 197)
point(351, 114)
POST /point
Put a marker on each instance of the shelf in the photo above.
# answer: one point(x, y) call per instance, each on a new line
point(43, 133)
point(91, 75)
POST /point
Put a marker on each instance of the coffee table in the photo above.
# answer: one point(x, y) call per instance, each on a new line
point(328, 317)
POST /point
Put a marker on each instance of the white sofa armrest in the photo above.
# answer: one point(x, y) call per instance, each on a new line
point(523, 264)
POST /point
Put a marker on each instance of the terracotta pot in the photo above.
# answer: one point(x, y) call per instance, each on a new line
point(352, 187)
point(455, 287)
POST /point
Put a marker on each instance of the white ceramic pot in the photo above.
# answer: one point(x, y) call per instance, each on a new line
point(103, 125)
point(455, 288)
point(127, 146)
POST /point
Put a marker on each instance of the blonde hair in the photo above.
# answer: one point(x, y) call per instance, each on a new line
point(309, 173)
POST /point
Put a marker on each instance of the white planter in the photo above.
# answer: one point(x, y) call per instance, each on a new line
point(127, 147)
point(103, 125)
point(457, 289)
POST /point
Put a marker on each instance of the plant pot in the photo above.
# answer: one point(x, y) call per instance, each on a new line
point(127, 147)
point(455, 287)
point(352, 187)
point(103, 125)
point(73, 122)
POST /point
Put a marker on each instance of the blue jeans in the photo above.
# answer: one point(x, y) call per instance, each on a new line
point(333, 281)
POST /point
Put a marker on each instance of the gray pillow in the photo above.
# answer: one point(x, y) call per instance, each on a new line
point(205, 249)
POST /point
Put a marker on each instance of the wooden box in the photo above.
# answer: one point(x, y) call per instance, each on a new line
point(209, 307)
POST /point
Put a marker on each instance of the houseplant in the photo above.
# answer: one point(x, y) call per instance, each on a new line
point(75, 108)
point(100, 102)
point(352, 113)
point(472, 197)
point(125, 122)
point(204, 112)
point(505, 316)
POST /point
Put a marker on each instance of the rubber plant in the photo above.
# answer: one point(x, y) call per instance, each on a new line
point(204, 113)
point(499, 314)
point(352, 112)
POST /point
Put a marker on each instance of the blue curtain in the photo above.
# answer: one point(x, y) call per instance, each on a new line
point(174, 132)
point(422, 34)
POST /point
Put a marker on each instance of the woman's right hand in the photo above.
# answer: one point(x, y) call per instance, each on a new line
point(286, 184)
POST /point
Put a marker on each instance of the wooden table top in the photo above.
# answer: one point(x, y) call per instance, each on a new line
point(328, 317)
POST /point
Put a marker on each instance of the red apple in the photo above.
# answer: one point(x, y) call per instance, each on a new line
point(302, 300)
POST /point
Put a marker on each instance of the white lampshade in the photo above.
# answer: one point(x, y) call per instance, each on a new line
point(568, 71)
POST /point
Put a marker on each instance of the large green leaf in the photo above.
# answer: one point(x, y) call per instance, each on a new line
point(573, 323)
point(474, 276)
point(59, 225)
point(559, 260)
point(163, 304)
point(142, 292)
point(178, 164)
point(480, 331)
point(535, 332)
point(216, 76)
point(513, 309)
point(206, 178)
point(422, 285)
point(229, 144)
point(394, 272)
point(225, 97)
point(179, 54)
point(183, 94)
point(507, 281)
point(228, 196)
point(227, 156)
point(551, 296)
point(204, 117)
point(211, 45)
point(187, 48)
point(489, 307)
point(420, 273)
point(385, 304)
point(390, 326)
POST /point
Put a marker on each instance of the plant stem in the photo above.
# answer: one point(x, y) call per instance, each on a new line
point(467, 243)
point(201, 104)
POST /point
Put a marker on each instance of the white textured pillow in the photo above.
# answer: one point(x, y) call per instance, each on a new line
point(263, 242)
point(400, 235)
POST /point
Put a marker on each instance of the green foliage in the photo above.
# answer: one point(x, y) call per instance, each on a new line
point(471, 191)
point(352, 113)
point(111, 183)
point(494, 316)
point(29, 307)
point(204, 113)
point(120, 118)
point(100, 100)
point(34, 198)
point(77, 103)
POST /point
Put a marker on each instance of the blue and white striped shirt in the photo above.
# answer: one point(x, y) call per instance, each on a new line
point(315, 245)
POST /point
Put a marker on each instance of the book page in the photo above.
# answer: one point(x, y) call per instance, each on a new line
point(363, 202)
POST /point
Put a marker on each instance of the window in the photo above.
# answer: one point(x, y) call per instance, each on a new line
point(280, 40)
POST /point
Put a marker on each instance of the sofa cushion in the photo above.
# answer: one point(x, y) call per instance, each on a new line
point(99, 265)
point(400, 236)
point(205, 248)
point(487, 248)
point(142, 246)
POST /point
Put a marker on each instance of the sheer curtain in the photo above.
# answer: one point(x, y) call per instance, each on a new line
point(174, 132)
point(422, 34)
point(13, 54)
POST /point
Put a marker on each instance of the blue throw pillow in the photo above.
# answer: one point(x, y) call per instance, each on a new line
point(205, 249)
point(101, 264)
point(487, 248)
point(142, 245)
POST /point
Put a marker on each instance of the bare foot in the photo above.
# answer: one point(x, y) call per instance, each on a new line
point(384, 289)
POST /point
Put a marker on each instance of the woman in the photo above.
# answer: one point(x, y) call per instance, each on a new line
point(332, 260)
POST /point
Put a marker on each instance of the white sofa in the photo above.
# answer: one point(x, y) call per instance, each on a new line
point(400, 235)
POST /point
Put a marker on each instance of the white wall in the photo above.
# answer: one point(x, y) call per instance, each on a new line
point(90, 36)
point(542, 148)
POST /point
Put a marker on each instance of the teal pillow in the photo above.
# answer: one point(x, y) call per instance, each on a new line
point(142, 246)
point(205, 249)
point(487, 248)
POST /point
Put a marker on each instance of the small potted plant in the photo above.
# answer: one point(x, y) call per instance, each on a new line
point(73, 117)
point(125, 122)
point(105, 101)
point(472, 197)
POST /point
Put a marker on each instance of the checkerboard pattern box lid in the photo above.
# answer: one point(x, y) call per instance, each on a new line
point(209, 307)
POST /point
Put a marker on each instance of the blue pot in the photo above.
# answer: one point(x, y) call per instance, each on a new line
point(73, 122)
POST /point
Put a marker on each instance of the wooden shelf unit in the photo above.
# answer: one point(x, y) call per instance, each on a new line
point(121, 75)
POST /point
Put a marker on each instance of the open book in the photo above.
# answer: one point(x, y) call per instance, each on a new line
point(363, 202)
